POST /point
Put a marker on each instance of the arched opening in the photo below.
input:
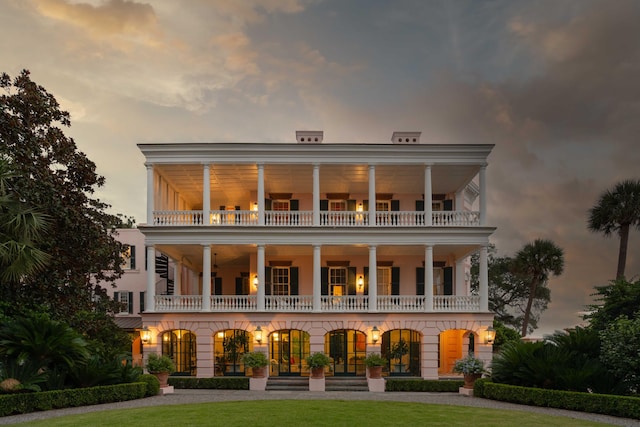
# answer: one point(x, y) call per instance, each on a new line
point(347, 348)
point(180, 345)
point(454, 344)
point(228, 347)
point(402, 348)
point(288, 349)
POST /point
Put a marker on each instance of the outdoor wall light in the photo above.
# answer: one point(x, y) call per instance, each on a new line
point(359, 208)
point(375, 334)
point(255, 206)
point(360, 282)
point(255, 281)
point(490, 335)
point(145, 335)
point(258, 334)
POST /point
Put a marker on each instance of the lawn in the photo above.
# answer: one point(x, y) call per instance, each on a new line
point(311, 413)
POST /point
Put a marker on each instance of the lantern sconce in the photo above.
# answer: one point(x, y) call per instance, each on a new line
point(490, 335)
point(360, 282)
point(258, 334)
point(375, 334)
point(145, 335)
point(255, 281)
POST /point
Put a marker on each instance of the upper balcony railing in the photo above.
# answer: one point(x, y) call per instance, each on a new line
point(305, 218)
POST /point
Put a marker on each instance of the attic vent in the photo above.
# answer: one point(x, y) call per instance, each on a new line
point(406, 137)
point(309, 136)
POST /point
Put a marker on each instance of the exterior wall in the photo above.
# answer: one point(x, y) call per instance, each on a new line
point(133, 280)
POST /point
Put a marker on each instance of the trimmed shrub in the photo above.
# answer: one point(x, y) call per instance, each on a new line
point(219, 383)
point(423, 385)
point(152, 382)
point(478, 387)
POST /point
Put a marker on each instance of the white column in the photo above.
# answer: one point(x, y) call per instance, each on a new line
point(372, 199)
point(317, 279)
point(206, 278)
point(428, 278)
point(316, 195)
point(373, 280)
point(484, 280)
point(483, 195)
point(150, 297)
point(206, 195)
point(261, 278)
point(177, 278)
point(260, 194)
point(150, 189)
point(428, 195)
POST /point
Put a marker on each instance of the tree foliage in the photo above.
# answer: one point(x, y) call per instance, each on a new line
point(617, 211)
point(619, 298)
point(57, 179)
point(620, 350)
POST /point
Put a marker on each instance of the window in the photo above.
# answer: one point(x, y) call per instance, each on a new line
point(129, 258)
point(438, 281)
point(126, 299)
point(337, 205)
point(383, 205)
point(280, 205)
point(338, 280)
point(280, 281)
point(436, 205)
point(384, 280)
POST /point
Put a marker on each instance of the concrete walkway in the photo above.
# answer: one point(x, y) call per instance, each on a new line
point(181, 397)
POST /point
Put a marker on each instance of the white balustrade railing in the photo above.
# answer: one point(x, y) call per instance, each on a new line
point(178, 302)
point(233, 218)
point(177, 218)
point(401, 303)
point(234, 303)
point(288, 303)
point(344, 218)
point(346, 303)
point(456, 303)
point(456, 218)
point(288, 218)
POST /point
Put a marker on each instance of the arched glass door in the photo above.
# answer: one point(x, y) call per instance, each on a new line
point(402, 348)
point(180, 345)
point(347, 349)
point(288, 349)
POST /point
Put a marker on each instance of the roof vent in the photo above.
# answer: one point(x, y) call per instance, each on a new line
point(406, 137)
point(309, 136)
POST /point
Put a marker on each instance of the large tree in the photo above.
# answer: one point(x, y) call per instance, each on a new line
point(534, 263)
point(618, 298)
point(58, 180)
point(618, 210)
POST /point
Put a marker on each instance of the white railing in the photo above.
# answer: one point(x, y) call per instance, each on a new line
point(178, 302)
point(288, 303)
point(234, 303)
point(305, 218)
point(456, 303)
point(401, 303)
point(347, 303)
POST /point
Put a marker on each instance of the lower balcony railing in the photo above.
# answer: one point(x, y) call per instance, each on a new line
point(305, 218)
point(304, 303)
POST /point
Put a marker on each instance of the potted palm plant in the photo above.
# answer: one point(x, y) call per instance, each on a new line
point(161, 367)
point(471, 367)
point(257, 361)
point(375, 362)
point(234, 347)
point(398, 350)
point(317, 362)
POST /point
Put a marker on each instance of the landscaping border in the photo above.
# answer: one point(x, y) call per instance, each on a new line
point(420, 385)
point(215, 383)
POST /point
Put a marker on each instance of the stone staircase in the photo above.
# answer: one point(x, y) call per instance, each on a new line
point(331, 384)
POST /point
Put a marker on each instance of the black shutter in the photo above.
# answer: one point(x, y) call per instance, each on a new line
point(324, 205)
point(267, 204)
point(419, 281)
point(294, 205)
point(366, 280)
point(267, 280)
point(116, 297)
point(324, 280)
point(395, 280)
point(351, 205)
point(448, 280)
point(365, 205)
point(420, 205)
point(142, 301)
point(130, 302)
point(447, 205)
point(239, 290)
point(293, 281)
point(395, 205)
point(132, 257)
point(351, 281)
point(217, 285)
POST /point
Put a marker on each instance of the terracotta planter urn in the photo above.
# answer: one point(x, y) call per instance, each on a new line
point(317, 372)
point(163, 377)
point(470, 379)
point(375, 372)
point(259, 372)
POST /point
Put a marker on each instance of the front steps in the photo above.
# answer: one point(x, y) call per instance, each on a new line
point(331, 384)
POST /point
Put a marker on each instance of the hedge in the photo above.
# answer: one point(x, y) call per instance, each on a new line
point(22, 403)
point(607, 404)
point(424, 385)
point(226, 383)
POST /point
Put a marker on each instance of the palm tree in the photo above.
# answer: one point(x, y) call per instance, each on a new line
point(534, 263)
point(617, 211)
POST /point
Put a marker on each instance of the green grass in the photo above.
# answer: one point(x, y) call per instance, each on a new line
point(311, 413)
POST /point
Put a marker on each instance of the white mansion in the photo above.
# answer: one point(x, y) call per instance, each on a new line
point(296, 248)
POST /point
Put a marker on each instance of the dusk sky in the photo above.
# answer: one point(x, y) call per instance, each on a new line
point(554, 84)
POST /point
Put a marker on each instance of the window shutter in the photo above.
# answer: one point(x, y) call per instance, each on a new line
point(420, 281)
point(365, 205)
point(324, 205)
point(239, 286)
point(116, 296)
point(267, 204)
point(324, 280)
point(395, 205)
point(351, 281)
point(130, 302)
point(420, 205)
point(447, 205)
point(267, 279)
point(223, 208)
point(294, 205)
point(217, 285)
point(146, 262)
point(366, 280)
point(132, 258)
point(142, 293)
point(448, 280)
point(351, 205)
point(395, 280)
point(293, 281)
